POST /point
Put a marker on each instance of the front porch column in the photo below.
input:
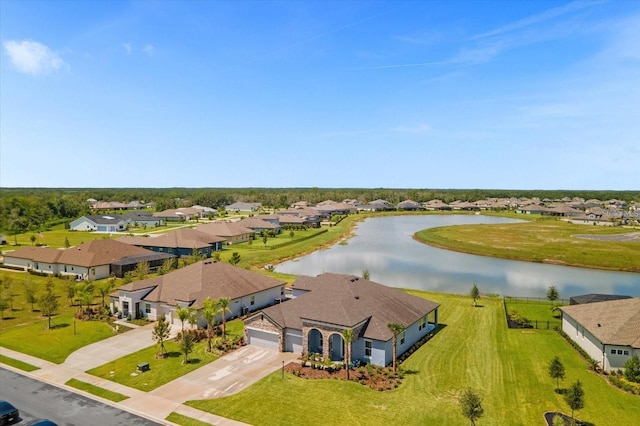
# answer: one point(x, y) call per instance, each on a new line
point(326, 350)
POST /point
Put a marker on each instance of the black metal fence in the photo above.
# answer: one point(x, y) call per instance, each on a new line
point(515, 320)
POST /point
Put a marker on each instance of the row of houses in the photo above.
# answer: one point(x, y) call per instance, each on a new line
point(309, 317)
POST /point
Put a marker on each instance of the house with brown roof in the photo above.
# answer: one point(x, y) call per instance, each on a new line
point(233, 232)
point(259, 225)
point(322, 307)
point(608, 331)
point(189, 286)
point(90, 260)
point(181, 242)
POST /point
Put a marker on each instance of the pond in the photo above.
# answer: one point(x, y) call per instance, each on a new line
point(385, 246)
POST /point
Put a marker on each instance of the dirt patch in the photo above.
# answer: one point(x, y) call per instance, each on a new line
point(377, 378)
point(631, 237)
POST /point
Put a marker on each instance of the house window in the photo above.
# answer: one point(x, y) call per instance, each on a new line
point(626, 352)
point(402, 338)
point(619, 351)
point(367, 348)
point(93, 271)
point(147, 308)
point(613, 351)
point(253, 300)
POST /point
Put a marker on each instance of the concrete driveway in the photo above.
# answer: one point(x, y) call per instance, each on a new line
point(225, 376)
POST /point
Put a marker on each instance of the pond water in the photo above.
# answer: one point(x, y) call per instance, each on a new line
point(385, 246)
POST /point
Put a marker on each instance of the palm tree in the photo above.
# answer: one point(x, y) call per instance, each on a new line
point(209, 312)
point(223, 307)
point(395, 328)
point(347, 335)
point(184, 314)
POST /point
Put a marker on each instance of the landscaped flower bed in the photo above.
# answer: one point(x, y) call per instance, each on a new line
point(377, 378)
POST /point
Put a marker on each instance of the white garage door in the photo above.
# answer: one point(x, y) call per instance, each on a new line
point(265, 339)
point(293, 343)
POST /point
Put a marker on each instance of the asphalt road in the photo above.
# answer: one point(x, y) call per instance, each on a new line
point(36, 399)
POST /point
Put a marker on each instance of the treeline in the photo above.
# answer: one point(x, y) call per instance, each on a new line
point(32, 209)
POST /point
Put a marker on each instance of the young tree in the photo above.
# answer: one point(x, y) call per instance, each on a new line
point(366, 275)
point(209, 312)
point(575, 398)
point(265, 238)
point(67, 244)
point(471, 405)
point(4, 303)
point(30, 292)
point(49, 303)
point(552, 294)
point(235, 258)
point(187, 346)
point(70, 289)
point(475, 294)
point(104, 289)
point(142, 270)
point(161, 333)
point(33, 240)
point(395, 328)
point(556, 371)
point(223, 308)
point(184, 314)
point(347, 335)
point(85, 291)
point(167, 266)
point(632, 369)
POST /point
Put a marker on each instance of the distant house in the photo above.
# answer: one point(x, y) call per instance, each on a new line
point(377, 206)
point(323, 307)
point(436, 205)
point(143, 220)
point(3, 239)
point(191, 285)
point(608, 331)
point(310, 216)
point(180, 242)
point(90, 260)
point(182, 214)
point(243, 207)
point(99, 224)
point(259, 225)
point(233, 233)
point(410, 205)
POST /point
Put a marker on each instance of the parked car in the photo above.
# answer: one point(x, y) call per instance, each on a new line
point(40, 422)
point(8, 413)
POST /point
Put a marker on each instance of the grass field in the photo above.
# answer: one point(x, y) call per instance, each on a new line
point(183, 420)
point(548, 241)
point(17, 363)
point(161, 371)
point(508, 368)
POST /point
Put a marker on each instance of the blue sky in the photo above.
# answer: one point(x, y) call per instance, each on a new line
point(421, 94)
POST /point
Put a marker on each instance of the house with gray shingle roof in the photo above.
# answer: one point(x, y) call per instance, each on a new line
point(608, 331)
point(99, 223)
point(181, 242)
point(189, 286)
point(323, 307)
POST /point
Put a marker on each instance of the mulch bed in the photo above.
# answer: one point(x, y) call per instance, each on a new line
point(549, 415)
point(377, 378)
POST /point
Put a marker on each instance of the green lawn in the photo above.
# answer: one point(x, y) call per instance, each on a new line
point(183, 420)
point(162, 371)
point(507, 367)
point(548, 241)
point(96, 390)
point(57, 344)
point(17, 363)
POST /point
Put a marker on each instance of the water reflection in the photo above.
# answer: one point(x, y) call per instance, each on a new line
point(386, 248)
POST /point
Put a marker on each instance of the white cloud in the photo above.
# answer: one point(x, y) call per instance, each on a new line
point(128, 47)
point(32, 57)
point(148, 49)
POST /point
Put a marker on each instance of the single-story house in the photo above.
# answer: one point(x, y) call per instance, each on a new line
point(92, 259)
point(322, 307)
point(310, 216)
point(436, 205)
point(233, 232)
point(180, 242)
point(143, 219)
point(410, 205)
point(182, 214)
point(259, 225)
point(608, 331)
point(243, 207)
point(191, 285)
point(99, 223)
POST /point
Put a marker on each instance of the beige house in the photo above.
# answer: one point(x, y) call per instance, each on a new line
point(234, 233)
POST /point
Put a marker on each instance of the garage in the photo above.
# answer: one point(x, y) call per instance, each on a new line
point(265, 339)
point(293, 342)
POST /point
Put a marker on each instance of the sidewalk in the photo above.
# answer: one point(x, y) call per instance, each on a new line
point(225, 376)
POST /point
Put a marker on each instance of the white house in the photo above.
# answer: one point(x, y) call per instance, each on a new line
point(608, 331)
point(99, 224)
point(188, 287)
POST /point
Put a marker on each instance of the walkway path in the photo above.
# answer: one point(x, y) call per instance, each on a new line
point(225, 376)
